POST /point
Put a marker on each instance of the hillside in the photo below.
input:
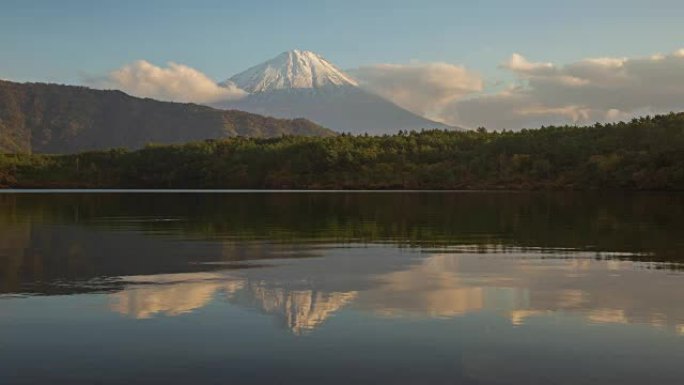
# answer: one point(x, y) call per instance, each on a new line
point(49, 118)
point(643, 154)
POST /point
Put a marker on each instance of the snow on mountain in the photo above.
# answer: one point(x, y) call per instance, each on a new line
point(292, 70)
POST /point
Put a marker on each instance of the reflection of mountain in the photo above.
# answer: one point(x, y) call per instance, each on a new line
point(177, 294)
point(301, 311)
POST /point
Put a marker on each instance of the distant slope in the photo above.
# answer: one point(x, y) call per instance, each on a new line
point(342, 108)
point(49, 118)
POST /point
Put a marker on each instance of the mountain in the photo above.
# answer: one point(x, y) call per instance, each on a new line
point(304, 84)
point(292, 70)
point(49, 118)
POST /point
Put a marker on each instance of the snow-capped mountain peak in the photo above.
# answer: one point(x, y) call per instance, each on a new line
point(292, 70)
point(299, 84)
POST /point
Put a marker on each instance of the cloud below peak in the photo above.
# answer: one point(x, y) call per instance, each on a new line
point(423, 88)
point(602, 89)
point(175, 82)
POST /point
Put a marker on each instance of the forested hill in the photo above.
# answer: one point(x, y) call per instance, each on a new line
point(49, 118)
point(644, 154)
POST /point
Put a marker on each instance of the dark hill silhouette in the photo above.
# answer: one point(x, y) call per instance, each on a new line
point(50, 118)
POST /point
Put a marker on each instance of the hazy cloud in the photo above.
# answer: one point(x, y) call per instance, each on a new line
point(423, 88)
point(176, 82)
point(590, 90)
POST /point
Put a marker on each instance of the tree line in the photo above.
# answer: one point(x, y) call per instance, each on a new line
point(643, 154)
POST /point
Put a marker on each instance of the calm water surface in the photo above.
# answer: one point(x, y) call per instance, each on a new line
point(326, 288)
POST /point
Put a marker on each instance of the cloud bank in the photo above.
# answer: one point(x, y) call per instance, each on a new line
point(422, 88)
point(176, 83)
point(587, 91)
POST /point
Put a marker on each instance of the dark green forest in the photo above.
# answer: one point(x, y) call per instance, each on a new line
point(643, 154)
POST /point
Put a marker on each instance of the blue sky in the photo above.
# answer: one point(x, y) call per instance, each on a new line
point(61, 41)
point(575, 61)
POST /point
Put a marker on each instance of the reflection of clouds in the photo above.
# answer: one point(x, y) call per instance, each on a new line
point(607, 316)
point(607, 292)
point(430, 288)
point(303, 294)
point(519, 317)
point(172, 294)
point(571, 298)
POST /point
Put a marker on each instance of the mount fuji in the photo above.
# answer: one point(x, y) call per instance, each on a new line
point(302, 84)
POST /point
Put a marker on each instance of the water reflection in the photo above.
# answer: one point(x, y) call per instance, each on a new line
point(342, 288)
point(171, 295)
point(303, 294)
point(646, 225)
point(299, 311)
point(177, 294)
point(434, 288)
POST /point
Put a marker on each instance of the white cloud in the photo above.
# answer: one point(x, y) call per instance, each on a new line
point(518, 63)
point(176, 82)
point(423, 88)
point(590, 90)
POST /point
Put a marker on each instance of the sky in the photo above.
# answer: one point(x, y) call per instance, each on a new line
point(75, 41)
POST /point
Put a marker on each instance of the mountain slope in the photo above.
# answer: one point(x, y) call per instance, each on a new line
point(344, 109)
point(48, 118)
point(304, 84)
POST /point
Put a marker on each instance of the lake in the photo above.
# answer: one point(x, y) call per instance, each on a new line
point(341, 288)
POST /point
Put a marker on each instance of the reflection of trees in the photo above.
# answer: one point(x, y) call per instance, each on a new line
point(13, 239)
point(46, 259)
point(49, 237)
point(648, 223)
